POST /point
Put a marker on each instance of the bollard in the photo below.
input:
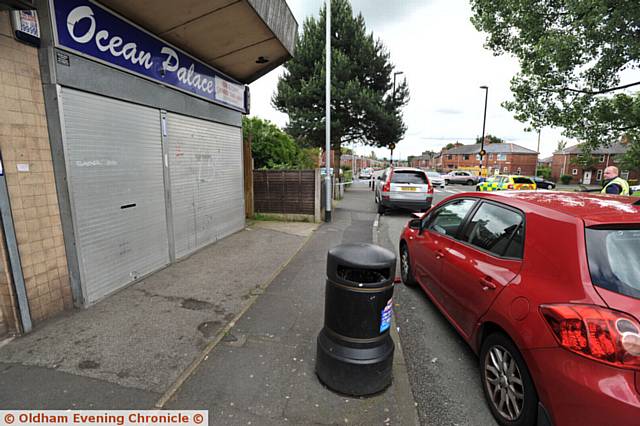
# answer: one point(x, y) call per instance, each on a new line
point(354, 348)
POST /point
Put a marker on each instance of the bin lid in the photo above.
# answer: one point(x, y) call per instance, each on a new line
point(361, 264)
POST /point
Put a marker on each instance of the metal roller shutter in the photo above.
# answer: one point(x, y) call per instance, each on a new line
point(205, 163)
point(115, 175)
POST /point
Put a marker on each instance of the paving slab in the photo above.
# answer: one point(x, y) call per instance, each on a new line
point(264, 371)
point(145, 335)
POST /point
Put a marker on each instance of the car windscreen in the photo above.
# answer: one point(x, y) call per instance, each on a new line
point(415, 178)
point(614, 259)
point(522, 180)
point(434, 175)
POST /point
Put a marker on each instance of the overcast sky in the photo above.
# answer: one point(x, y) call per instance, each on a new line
point(443, 59)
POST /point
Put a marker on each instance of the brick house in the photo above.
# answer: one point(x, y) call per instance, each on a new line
point(564, 163)
point(427, 160)
point(503, 158)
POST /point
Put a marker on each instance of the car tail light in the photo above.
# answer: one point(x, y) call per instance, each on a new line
point(429, 189)
point(601, 334)
point(387, 184)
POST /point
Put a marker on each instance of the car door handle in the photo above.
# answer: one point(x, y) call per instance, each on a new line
point(487, 284)
point(439, 254)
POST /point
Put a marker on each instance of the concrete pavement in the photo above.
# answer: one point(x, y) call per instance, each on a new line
point(232, 329)
point(264, 372)
point(144, 336)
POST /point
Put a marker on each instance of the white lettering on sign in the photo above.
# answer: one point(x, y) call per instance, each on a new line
point(88, 27)
point(129, 51)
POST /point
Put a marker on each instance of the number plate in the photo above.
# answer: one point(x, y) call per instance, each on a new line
point(409, 188)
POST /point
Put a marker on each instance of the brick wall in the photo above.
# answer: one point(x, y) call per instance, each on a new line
point(526, 162)
point(24, 140)
point(609, 160)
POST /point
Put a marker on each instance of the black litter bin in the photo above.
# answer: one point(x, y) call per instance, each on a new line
point(355, 350)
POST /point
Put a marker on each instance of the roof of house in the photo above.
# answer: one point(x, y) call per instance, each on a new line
point(497, 148)
point(546, 160)
point(616, 148)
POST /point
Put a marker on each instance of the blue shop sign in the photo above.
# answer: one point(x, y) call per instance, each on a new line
point(89, 29)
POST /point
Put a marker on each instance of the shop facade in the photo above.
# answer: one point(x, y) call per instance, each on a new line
point(144, 139)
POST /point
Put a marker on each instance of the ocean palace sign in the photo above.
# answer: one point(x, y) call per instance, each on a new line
point(91, 30)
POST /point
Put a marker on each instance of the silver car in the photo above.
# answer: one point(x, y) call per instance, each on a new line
point(436, 179)
point(403, 187)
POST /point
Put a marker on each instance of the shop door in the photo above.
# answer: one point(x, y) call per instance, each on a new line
point(113, 154)
point(207, 195)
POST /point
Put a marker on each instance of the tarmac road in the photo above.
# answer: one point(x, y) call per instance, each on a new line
point(443, 370)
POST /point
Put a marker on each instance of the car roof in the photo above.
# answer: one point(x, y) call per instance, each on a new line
point(407, 169)
point(592, 208)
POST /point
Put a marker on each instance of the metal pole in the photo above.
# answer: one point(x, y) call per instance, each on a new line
point(327, 217)
point(484, 122)
point(14, 254)
point(536, 172)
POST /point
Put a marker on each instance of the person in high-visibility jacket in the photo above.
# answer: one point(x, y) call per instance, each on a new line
point(614, 184)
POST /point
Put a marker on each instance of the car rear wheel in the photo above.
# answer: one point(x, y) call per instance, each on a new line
point(507, 383)
point(405, 267)
point(469, 182)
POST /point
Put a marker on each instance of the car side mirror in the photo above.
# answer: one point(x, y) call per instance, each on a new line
point(415, 223)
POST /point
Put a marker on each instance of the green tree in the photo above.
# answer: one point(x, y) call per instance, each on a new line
point(572, 55)
point(272, 148)
point(490, 139)
point(544, 172)
point(363, 106)
point(561, 145)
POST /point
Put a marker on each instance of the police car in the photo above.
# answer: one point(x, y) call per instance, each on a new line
point(506, 182)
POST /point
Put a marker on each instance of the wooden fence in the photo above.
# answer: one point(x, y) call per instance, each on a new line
point(287, 192)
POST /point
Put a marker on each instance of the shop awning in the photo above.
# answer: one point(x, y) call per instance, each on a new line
point(242, 38)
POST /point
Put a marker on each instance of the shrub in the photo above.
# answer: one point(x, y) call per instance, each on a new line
point(565, 179)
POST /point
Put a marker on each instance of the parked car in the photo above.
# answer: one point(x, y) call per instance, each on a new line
point(542, 183)
point(545, 288)
point(635, 190)
point(436, 179)
point(461, 177)
point(506, 182)
point(403, 187)
point(365, 173)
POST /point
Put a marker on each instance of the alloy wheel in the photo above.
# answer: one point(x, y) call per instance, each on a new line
point(404, 263)
point(504, 384)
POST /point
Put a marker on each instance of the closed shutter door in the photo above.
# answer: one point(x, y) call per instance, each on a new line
point(115, 175)
point(207, 195)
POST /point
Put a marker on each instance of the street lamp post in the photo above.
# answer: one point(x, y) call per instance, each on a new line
point(538, 157)
point(327, 123)
point(484, 122)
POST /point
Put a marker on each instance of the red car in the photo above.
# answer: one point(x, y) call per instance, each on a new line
point(545, 287)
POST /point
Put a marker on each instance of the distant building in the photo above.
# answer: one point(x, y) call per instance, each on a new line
point(545, 162)
point(564, 163)
point(425, 161)
point(500, 158)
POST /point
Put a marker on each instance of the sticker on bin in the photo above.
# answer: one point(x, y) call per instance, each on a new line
point(385, 317)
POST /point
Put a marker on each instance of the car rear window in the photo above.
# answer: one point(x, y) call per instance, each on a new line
point(522, 180)
point(416, 178)
point(614, 259)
